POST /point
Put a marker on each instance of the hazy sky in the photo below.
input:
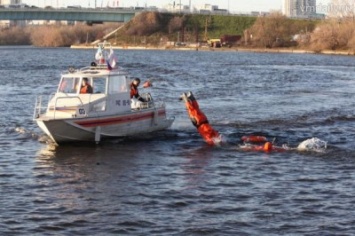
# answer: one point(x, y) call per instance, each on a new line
point(234, 5)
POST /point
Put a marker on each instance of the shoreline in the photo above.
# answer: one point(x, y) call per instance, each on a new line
point(256, 50)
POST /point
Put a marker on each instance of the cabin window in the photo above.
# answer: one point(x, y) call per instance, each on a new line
point(69, 85)
point(118, 84)
point(99, 85)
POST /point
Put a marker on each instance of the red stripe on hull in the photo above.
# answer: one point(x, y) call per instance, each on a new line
point(118, 120)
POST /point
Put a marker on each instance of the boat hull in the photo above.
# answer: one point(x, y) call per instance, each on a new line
point(95, 128)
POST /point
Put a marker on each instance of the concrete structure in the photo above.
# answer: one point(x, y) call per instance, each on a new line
point(8, 4)
point(69, 15)
point(300, 8)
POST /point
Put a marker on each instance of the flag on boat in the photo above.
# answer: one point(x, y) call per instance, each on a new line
point(109, 67)
point(112, 60)
point(99, 56)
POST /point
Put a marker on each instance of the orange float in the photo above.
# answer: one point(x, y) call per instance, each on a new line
point(266, 147)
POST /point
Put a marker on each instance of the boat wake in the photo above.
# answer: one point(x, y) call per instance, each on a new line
point(28, 134)
point(309, 145)
point(25, 132)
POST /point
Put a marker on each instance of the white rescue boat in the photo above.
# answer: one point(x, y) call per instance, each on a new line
point(107, 112)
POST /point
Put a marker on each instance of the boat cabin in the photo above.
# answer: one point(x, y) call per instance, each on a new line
point(93, 90)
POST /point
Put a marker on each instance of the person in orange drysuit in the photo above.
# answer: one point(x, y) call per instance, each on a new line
point(212, 137)
point(134, 90)
point(86, 87)
point(199, 120)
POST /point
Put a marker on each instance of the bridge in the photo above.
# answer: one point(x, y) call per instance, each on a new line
point(77, 14)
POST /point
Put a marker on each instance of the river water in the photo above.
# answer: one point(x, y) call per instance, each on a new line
point(172, 183)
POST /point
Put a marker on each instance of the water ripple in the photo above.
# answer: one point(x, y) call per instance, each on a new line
point(172, 183)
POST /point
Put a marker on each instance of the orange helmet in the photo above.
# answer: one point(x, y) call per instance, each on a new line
point(268, 147)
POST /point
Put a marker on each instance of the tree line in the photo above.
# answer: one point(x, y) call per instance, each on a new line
point(276, 30)
point(54, 35)
point(271, 31)
point(153, 28)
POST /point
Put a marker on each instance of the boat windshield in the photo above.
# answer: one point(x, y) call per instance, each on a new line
point(73, 85)
point(99, 85)
point(116, 84)
point(69, 85)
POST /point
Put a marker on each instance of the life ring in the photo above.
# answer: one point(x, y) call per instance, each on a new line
point(254, 139)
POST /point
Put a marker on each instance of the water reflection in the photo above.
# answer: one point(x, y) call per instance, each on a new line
point(82, 181)
point(174, 181)
point(195, 169)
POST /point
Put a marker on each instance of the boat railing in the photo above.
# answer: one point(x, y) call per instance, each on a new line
point(149, 103)
point(39, 109)
point(80, 107)
point(92, 69)
point(55, 104)
point(145, 105)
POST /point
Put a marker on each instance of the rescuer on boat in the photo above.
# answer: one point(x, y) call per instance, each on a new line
point(86, 87)
point(134, 89)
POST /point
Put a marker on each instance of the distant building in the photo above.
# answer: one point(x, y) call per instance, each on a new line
point(208, 8)
point(300, 8)
point(10, 2)
point(177, 8)
point(203, 9)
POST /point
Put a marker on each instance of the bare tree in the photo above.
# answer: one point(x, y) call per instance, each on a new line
point(333, 35)
point(144, 24)
point(175, 24)
point(338, 32)
point(271, 29)
point(14, 36)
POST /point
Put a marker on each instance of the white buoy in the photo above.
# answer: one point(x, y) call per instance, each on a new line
point(313, 144)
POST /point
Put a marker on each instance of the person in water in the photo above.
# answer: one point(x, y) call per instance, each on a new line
point(199, 120)
point(134, 90)
point(86, 87)
point(251, 142)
